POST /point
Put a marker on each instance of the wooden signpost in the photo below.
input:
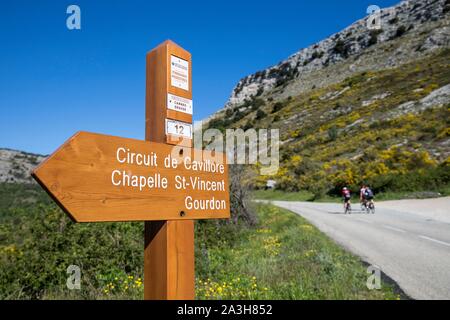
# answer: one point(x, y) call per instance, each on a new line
point(161, 181)
point(96, 177)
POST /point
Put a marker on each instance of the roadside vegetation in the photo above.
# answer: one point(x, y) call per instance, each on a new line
point(282, 257)
point(38, 242)
point(268, 254)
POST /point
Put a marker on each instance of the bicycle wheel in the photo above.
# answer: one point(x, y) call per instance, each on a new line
point(364, 207)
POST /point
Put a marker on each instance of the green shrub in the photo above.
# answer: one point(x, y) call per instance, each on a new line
point(219, 123)
point(401, 30)
point(446, 9)
point(317, 55)
point(260, 114)
point(332, 133)
point(260, 91)
point(277, 107)
point(341, 48)
point(373, 37)
point(393, 20)
point(257, 103)
point(38, 244)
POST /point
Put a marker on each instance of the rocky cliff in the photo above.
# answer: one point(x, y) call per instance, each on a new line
point(16, 166)
point(409, 30)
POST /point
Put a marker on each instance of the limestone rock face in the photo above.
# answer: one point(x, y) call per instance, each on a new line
point(409, 30)
point(16, 166)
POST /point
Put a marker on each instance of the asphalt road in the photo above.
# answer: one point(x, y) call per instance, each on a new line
point(413, 249)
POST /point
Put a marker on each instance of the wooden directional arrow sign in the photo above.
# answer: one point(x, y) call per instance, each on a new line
point(95, 177)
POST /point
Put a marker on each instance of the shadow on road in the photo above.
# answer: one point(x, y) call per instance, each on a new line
point(353, 212)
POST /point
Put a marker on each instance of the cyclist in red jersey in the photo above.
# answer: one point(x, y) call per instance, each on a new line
point(346, 195)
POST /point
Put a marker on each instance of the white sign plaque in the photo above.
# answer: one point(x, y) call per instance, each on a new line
point(179, 103)
point(178, 128)
point(179, 73)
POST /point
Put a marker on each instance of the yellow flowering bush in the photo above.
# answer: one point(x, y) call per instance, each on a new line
point(10, 250)
point(444, 133)
point(121, 284)
point(296, 160)
point(241, 287)
point(272, 246)
point(307, 227)
point(310, 253)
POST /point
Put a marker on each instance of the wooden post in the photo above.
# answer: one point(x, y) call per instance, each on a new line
point(169, 245)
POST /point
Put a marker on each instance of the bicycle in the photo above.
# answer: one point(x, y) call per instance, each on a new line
point(348, 208)
point(363, 206)
point(370, 207)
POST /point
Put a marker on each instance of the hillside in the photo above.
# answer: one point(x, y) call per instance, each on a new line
point(16, 166)
point(349, 113)
point(410, 30)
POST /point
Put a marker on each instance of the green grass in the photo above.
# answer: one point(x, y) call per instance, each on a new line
point(384, 196)
point(284, 258)
point(445, 191)
point(291, 196)
point(282, 195)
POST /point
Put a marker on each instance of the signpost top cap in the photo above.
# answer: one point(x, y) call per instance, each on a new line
point(171, 45)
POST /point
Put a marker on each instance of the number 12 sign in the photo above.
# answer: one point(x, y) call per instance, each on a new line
point(178, 128)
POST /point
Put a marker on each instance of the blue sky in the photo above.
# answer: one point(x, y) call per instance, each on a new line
point(54, 81)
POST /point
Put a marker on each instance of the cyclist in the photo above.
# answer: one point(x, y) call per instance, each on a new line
point(362, 196)
point(346, 194)
point(368, 196)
